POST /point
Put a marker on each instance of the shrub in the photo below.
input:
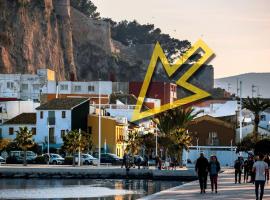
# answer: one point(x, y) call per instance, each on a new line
point(11, 160)
point(40, 160)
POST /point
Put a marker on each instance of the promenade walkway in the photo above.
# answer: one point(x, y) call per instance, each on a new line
point(227, 190)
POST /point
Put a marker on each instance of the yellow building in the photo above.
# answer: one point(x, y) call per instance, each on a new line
point(113, 134)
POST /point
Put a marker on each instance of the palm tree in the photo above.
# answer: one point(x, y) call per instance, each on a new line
point(175, 120)
point(256, 106)
point(24, 141)
point(74, 142)
point(133, 142)
point(174, 123)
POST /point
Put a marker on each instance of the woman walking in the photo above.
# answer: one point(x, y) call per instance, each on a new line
point(213, 168)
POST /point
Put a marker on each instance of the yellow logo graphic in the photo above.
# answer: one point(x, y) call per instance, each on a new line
point(170, 70)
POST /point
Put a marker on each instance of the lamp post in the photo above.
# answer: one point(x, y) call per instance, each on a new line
point(48, 143)
point(240, 112)
point(99, 124)
point(156, 143)
point(79, 154)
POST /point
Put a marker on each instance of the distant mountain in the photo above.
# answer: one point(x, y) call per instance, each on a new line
point(256, 84)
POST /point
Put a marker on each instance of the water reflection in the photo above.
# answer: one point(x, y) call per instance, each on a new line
point(139, 188)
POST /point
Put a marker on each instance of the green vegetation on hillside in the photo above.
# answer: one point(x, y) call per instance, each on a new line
point(133, 33)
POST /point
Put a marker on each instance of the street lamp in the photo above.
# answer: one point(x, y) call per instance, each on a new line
point(48, 143)
point(79, 154)
point(99, 124)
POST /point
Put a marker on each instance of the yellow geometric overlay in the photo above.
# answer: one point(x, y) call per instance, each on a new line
point(170, 70)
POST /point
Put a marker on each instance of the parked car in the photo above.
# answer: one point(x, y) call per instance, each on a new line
point(87, 159)
point(19, 156)
point(2, 160)
point(110, 158)
point(55, 159)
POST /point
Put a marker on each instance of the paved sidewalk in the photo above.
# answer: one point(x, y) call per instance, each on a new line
point(227, 190)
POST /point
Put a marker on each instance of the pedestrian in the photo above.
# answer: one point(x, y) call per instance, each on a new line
point(246, 171)
point(259, 168)
point(145, 161)
point(238, 170)
point(250, 166)
point(214, 169)
point(266, 159)
point(124, 162)
point(201, 168)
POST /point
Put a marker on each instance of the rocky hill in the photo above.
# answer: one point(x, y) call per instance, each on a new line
point(51, 34)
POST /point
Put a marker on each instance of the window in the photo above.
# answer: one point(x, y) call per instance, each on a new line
point(263, 118)
point(36, 87)
point(63, 133)
point(41, 114)
point(91, 88)
point(1, 109)
point(24, 86)
point(11, 130)
point(34, 131)
point(10, 85)
point(0, 133)
point(63, 114)
point(213, 138)
point(63, 87)
point(77, 88)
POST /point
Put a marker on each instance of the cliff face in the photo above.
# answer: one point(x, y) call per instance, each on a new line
point(32, 36)
point(50, 34)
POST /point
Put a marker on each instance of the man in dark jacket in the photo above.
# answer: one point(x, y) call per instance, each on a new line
point(201, 168)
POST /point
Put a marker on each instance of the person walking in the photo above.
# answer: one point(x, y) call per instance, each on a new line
point(260, 168)
point(214, 169)
point(250, 166)
point(266, 159)
point(238, 170)
point(124, 162)
point(246, 171)
point(201, 168)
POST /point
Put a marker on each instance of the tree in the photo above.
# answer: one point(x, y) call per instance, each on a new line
point(73, 142)
point(131, 33)
point(133, 142)
point(262, 147)
point(24, 141)
point(4, 143)
point(86, 7)
point(256, 106)
point(247, 144)
point(173, 123)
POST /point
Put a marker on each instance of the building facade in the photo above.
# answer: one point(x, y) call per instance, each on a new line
point(25, 86)
point(10, 109)
point(166, 92)
point(8, 129)
point(210, 131)
point(58, 116)
point(113, 133)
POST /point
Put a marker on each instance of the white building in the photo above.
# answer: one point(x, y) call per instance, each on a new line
point(265, 119)
point(25, 86)
point(10, 109)
point(59, 116)
point(248, 129)
point(9, 128)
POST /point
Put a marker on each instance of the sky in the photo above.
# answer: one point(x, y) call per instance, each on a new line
point(238, 31)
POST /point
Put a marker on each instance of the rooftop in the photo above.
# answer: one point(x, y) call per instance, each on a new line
point(24, 118)
point(62, 104)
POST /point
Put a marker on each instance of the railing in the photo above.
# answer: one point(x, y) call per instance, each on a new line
point(115, 106)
